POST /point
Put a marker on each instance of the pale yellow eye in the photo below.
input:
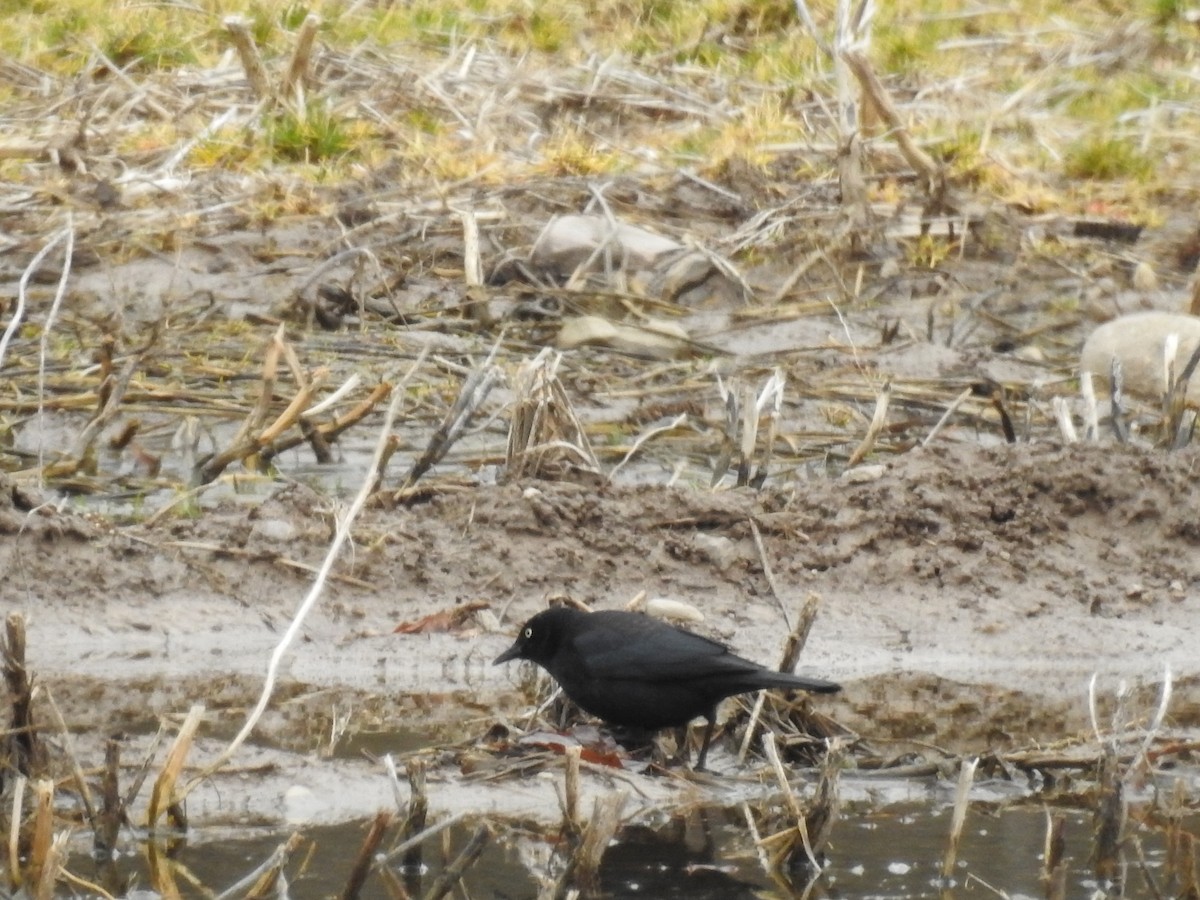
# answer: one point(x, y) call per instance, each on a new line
point(528, 633)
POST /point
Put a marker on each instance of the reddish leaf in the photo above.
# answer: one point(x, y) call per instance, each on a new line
point(452, 619)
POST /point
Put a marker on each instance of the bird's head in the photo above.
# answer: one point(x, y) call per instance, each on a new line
point(539, 636)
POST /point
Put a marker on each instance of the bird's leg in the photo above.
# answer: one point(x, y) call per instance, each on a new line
point(709, 722)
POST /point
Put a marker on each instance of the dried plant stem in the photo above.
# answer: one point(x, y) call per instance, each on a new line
point(789, 796)
point(874, 429)
point(340, 537)
point(415, 822)
point(966, 777)
point(244, 887)
point(112, 810)
point(1063, 416)
point(642, 439)
point(43, 343)
point(1091, 414)
point(751, 726)
point(423, 836)
point(366, 854)
point(583, 868)
point(163, 796)
point(88, 887)
point(67, 234)
point(798, 633)
point(1054, 869)
point(881, 101)
point(768, 572)
point(239, 32)
point(14, 831)
point(453, 873)
point(298, 66)
point(571, 789)
point(25, 749)
point(43, 833)
point(950, 411)
point(68, 743)
point(470, 398)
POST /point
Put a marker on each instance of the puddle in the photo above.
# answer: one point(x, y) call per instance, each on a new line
point(705, 853)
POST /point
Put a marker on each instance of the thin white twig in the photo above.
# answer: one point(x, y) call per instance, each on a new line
point(950, 410)
point(1164, 700)
point(1065, 425)
point(1091, 414)
point(642, 439)
point(59, 293)
point(340, 538)
point(333, 399)
point(19, 312)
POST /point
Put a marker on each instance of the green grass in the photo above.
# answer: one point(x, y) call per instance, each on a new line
point(312, 134)
point(1105, 158)
point(754, 49)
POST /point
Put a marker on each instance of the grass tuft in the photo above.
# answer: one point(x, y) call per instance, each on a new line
point(1101, 156)
point(312, 134)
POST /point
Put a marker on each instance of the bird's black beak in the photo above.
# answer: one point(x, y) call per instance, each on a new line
point(511, 653)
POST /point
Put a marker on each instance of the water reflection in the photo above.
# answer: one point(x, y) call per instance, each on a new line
point(706, 852)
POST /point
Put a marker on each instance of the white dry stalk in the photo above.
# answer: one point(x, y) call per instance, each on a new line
point(966, 777)
point(642, 439)
point(749, 426)
point(950, 411)
point(751, 726)
point(878, 419)
point(181, 153)
point(1063, 415)
point(14, 830)
point(763, 859)
point(541, 412)
point(790, 797)
point(276, 860)
point(1091, 414)
point(769, 573)
point(472, 262)
point(67, 233)
point(341, 536)
point(858, 363)
point(389, 764)
point(852, 31)
point(333, 399)
point(1092, 712)
point(770, 401)
point(1164, 700)
point(68, 254)
point(422, 836)
point(1170, 349)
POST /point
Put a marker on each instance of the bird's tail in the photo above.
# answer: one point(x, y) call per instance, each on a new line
point(801, 683)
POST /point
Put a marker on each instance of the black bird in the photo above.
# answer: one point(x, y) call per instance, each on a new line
point(634, 671)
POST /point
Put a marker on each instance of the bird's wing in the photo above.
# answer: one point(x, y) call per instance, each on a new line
point(656, 653)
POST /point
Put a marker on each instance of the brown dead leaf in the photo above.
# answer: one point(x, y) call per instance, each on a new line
point(444, 620)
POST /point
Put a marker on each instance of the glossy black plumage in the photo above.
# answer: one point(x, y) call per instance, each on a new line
point(631, 670)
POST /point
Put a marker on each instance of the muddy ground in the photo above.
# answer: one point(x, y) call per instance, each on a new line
point(967, 596)
point(969, 589)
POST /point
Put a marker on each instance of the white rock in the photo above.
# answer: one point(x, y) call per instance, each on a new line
point(567, 241)
point(676, 610)
point(278, 530)
point(863, 474)
point(1137, 341)
point(654, 339)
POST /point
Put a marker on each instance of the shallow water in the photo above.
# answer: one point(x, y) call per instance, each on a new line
point(706, 853)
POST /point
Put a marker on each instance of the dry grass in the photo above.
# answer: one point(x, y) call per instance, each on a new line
point(715, 122)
